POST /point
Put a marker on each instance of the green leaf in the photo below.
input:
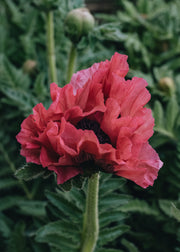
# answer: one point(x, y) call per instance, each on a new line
point(170, 209)
point(30, 171)
point(61, 243)
point(8, 183)
point(109, 32)
point(9, 201)
point(11, 76)
point(158, 139)
point(59, 234)
point(39, 86)
point(61, 228)
point(114, 200)
point(4, 228)
point(171, 113)
point(77, 197)
point(158, 114)
point(175, 212)
point(129, 245)
point(139, 206)
point(110, 234)
point(17, 241)
point(111, 185)
point(78, 181)
point(33, 208)
point(15, 13)
point(66, 186)
point(109, 217)
point(64, 206)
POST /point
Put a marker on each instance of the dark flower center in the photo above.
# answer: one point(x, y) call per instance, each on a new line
point(87, 124)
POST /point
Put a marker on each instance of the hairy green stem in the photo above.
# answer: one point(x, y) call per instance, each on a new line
point(91, 222)
point(51, 48)
point(71, 62)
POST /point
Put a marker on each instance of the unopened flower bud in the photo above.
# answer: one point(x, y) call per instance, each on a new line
point(79, 22)
point(30, 67)
point(167, 85)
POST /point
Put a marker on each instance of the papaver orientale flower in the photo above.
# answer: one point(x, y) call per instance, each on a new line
point(96, 122)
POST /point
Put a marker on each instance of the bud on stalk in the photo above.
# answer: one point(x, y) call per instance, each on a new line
point(78, 23)
point(167, 85)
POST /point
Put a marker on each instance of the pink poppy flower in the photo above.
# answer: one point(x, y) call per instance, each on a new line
point(96, 122)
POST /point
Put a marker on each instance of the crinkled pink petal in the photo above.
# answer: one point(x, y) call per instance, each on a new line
point(74, 141)
point(137, 97)
point(96, 73)
point(118, 67)
point(131, 94)
point(31, 155)
point(63, 98)
point(145, 130)
point(64, 173)
point(143, 167)
point(124, 147)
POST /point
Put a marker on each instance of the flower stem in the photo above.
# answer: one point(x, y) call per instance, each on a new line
point(91, 223)
point(71, 62)
point(51, 48)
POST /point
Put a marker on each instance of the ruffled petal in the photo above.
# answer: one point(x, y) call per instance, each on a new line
point(63, 98)
point(143, 167)
point(119, 67)
point(64, 173)
point(137, 97)
point(95, 73)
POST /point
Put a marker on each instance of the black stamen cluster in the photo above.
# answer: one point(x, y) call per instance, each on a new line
point(87, 124)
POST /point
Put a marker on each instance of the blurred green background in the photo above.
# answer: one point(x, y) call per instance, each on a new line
point(131, 219)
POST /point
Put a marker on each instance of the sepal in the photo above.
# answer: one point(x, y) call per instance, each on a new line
point(32, 171)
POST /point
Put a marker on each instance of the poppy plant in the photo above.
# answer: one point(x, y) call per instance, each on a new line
point(96, 122)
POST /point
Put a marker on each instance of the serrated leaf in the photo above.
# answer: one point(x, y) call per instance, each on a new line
point(170, 209)
point(4, 228)
point(139, 206)
point(129, 245)
point(8, 183)
point(77, 197)
point(60, 234)
point(39, 87)
point(11, 76)
point(53, 213)
point(15, 13)
point(61, 228)
point(62, 243)
point(33, 208)
point(17, 241)
point(115, 200)
point(111, 185)
point(175, 212)
point(158, 139)
point(66, 186)
point(110, 234)
point(66, 207)
point(158, 114)
point(107, 218)
point(30, 171)
point(171, 114)
point(78, 181)
point(9, 201)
